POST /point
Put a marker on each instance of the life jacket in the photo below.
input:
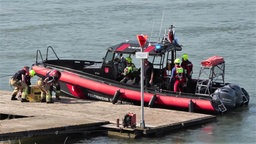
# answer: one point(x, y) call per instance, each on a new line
point(129, 69)
point(134, 68)
point(179, 73)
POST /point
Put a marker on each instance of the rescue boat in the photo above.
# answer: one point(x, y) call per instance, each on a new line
point(100, 80)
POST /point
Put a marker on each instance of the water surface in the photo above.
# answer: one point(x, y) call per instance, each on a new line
point(84, 29)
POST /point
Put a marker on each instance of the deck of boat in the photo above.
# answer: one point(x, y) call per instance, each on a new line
point(71, 115)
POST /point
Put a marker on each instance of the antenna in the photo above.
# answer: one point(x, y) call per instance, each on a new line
point(151, 34)
point(160, 31)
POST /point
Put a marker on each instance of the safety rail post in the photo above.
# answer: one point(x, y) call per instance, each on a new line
point(38, 53)
point(47, 52)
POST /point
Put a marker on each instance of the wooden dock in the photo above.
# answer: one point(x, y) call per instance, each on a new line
point(71, 115)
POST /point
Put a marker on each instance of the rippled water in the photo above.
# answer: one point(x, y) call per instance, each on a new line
point(83, 29)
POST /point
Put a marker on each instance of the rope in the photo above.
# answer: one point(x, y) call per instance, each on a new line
point(5, 76)
point(9, 83)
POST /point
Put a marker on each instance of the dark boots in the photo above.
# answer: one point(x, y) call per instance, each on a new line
point(57, 93)
point(24, 100)
point(43, 100)
point(58, 97)
point(14, 97)
point(49, 101)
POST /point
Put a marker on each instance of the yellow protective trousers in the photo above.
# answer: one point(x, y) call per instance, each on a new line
point(45, 90)
point(19, 86)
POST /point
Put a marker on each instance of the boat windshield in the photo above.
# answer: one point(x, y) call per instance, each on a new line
point(109, 57)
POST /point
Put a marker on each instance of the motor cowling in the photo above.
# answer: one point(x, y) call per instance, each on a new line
point(238, 93)
point(226, 95)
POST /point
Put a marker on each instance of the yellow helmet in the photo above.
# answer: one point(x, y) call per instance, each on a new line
point(128, 59)
point(32, 73)
point(177, 61)
point(185, 57)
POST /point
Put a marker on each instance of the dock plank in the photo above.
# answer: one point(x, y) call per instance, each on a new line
point(84, 114)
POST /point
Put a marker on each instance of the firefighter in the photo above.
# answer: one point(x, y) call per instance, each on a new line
point(18, 81)
point(26, 90)
point(187, 66)
point(21, 81)
point(46, 85)
point(177, 76)
point(128, 72)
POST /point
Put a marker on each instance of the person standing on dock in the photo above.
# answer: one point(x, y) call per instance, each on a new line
point(21, 81)
point(177, 76)
point(46, 85)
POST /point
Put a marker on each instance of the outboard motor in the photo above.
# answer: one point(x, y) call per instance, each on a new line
point(238, 93)
point(246, 97)
point(226, 95)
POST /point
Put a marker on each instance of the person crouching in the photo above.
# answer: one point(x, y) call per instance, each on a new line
point(46, 85)
point(21, 81)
